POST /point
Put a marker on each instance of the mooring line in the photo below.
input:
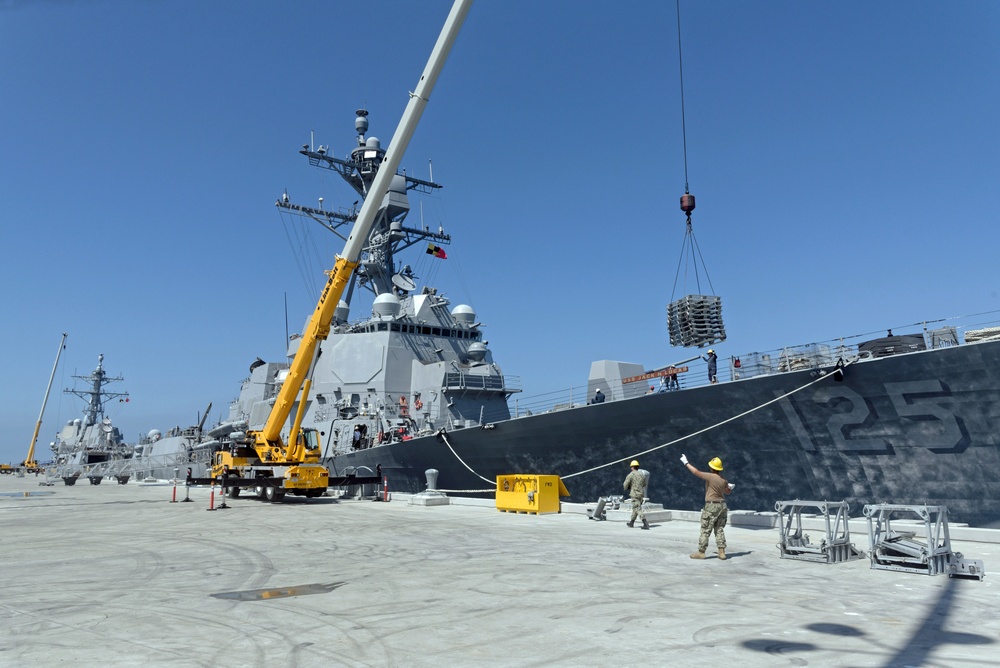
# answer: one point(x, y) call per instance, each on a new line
point(840, 368)
point(444, 437)
point(709, 428)
point(491, 490)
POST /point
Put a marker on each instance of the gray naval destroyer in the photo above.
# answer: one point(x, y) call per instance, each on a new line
point(95, 449)
point(909, 419)
point(93, 446)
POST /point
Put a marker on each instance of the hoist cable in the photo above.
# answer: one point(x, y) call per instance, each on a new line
point(680, 65)
point(822, 376)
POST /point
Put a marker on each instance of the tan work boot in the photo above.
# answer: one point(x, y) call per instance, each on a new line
point(722, 553)
point(697, 555)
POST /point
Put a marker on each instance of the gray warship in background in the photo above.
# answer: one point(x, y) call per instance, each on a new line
point(412, 386)
point(91, 447)
point(95, 449)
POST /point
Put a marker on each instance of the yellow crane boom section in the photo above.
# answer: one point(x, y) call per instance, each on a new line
point(267, 441)
point(317, 330)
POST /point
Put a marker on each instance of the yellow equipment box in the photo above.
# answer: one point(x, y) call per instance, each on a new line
point(529, 493)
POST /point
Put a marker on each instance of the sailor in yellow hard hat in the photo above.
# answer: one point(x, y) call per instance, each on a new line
point(635, 487)
point(715, 513)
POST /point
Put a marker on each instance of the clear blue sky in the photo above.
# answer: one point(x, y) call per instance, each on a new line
point(844, 156)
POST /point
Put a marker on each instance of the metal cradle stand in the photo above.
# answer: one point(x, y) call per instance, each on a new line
point(836, 545)
point(599, 513)
point(899, 550)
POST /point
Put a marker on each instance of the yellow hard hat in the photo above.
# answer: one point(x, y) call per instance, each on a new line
point(716, 464)
point(634, 463)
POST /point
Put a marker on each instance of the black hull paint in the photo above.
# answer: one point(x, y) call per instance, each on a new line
point(913, 429)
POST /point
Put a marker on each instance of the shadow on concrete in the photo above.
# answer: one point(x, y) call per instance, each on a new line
point(779, 647)
point(926, 638)
point(931, 634)
point(736, 555)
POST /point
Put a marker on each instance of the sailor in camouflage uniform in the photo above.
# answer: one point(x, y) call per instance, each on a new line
point(715, 512)
point(635, 487)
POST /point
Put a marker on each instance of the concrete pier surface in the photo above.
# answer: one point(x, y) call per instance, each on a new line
point(117, 575)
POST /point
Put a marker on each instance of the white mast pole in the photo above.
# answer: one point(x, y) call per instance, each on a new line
point(404, 131)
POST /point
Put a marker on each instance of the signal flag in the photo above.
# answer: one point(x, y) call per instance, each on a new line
point(436, 251)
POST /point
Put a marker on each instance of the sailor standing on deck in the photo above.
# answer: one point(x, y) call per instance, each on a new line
point(713, 366)
point(715, 512)
point(635, 487)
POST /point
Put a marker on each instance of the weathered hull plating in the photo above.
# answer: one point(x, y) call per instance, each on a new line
point(913, 429)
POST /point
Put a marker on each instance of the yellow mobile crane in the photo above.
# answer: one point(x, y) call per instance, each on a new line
point(29, 465)
point(266, 461)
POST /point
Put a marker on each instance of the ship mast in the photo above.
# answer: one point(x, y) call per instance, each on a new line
point(388, 234)
point(96, 395)
point(268, 440)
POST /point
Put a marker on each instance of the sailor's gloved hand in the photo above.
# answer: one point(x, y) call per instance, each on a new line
point(684, 460)
point(732, 486)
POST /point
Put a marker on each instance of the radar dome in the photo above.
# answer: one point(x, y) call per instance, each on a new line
point(373, 143)
point(153, 435)
point(386, 306)
point(464, 314)
point(361, 122)
point(398, 184)
point(342, 312)
point(477, 351)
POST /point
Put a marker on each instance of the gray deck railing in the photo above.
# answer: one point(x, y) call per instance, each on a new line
point(751, 365)
point(459, 381)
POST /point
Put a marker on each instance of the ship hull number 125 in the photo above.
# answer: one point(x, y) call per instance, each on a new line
point(911, 414)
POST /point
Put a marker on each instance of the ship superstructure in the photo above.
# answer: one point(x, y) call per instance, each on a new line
point(416, 363)
point(83, 445)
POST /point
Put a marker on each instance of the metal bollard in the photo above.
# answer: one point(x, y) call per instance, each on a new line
point(187, 487)
point(225, 474)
